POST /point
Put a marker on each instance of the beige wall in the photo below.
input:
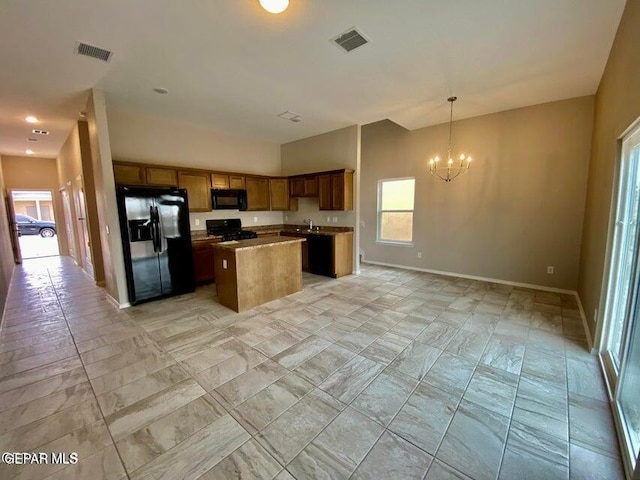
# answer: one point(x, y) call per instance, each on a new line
point(518, 210)
point(109, 226)
point(6, 254)
point(75, 173)
point(69, 167)
point(34, 173)
point(328, 151)
point(617, 107)
point(142, 137)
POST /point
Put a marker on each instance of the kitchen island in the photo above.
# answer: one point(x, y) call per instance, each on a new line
point(252, 272)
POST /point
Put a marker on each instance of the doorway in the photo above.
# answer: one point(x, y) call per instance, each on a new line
point(35, 223)
point(620, 337)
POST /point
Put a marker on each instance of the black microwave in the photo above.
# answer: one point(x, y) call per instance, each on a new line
point(228, 199)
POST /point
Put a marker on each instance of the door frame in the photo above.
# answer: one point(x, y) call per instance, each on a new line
point(53, 206)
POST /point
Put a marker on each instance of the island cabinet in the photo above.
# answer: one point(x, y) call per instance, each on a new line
point(198, 186)
point(280, 198)
point(256, 271)
point(304, 186)
point(257, 193)
point(336, 191)
point(204, 261)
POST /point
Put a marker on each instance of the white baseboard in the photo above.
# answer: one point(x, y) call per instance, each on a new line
point(474, 277)
point(585, 325)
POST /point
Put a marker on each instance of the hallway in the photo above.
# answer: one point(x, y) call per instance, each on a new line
point(389, 374)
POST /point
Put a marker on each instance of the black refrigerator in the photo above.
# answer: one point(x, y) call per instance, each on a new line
point(156, 240)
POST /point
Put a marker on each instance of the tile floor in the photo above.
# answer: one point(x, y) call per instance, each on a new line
point(391, 374)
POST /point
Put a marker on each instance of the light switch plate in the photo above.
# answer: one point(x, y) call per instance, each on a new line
point(255, 219)
point(197, 222)
point(224, 263)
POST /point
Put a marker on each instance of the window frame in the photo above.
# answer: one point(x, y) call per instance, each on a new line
point(379, 211)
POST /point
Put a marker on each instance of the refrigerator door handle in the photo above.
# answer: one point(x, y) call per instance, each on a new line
point(153, 230)
point(157, 227)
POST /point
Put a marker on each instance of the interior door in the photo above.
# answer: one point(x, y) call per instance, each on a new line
point(13, 229)
point(68, 223)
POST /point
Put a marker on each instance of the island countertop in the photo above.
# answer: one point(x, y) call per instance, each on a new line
point(254, 243)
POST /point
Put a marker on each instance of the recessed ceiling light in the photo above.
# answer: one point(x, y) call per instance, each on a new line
point(31, 119)
point(32, 139)
point(29, 152)
point(161, 91)
point(274, 6)
point(82, 114)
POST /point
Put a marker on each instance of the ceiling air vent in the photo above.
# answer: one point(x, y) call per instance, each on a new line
point(40, 132)
point(350, 40)
point(93, 52)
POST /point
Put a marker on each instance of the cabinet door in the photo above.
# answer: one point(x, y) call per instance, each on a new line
point(198, 190)
point(129, 174)
point(279, 193)
point(297, 187)
point(203, 263)
point(324, 191)
point(257, 193)
point(337, 191)
point(237, 181)
point(311, 186)
point(219, 180)
point(162, 176)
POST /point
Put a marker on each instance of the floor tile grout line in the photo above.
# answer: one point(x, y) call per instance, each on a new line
point(95, 397)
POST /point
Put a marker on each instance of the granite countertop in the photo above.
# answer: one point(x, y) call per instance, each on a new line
point(253, 243)
point(201, 235)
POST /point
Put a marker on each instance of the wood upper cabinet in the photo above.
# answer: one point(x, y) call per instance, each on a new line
point(198, 185)
point(336, 191)
point(257, 193)
point(219, 180)
point(306, 186)
point(324, 191)
point(127, 174)
point(280, 199)
point(297, 187)
point(237, 182)
point(223, 181)
point(162, 176)
point(311, 186)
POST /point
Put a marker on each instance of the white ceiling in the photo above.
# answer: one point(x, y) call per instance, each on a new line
point(233, 66)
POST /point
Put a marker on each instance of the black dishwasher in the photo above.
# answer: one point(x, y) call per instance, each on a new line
point(320, 254)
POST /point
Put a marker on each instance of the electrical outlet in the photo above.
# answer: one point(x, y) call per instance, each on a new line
point(550, 270)
point(286, 217)
point(255, 219)
point(224, 263)
point(197, 222)
point(419, 254)
point(328, 219)
point(335, 219)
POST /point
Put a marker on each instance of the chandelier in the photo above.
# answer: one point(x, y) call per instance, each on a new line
point(450, 169)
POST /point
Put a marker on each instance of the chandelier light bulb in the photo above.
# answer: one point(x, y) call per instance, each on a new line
point(462, 156)
point(468, 159)
point(274, 6)
point(437, 159)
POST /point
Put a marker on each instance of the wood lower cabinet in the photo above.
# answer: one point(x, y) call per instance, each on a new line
point(335, 252)
point(257, 193)
point(162, 176)
point(125, 174)
point(336, 191)
point(203, 262)
point(198, 188)
point(279, 192)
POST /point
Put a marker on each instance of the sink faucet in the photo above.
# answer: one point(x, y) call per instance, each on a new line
point(309, 222)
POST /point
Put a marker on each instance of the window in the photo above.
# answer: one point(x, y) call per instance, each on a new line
point(395, 210)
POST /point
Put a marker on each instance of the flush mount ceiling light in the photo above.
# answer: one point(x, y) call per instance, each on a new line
point(31, 119)
point(451, 169)
point(29, 152)
point(161, 91)
point(274, 6)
